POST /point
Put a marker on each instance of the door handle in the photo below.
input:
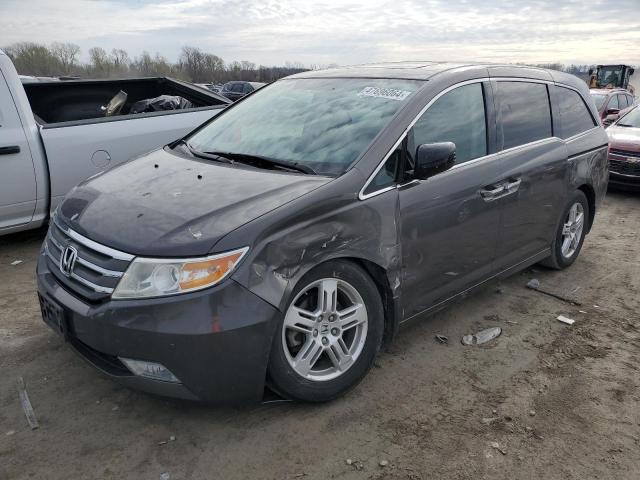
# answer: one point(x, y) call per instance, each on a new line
point(512, 186)
point(491, 193)
point(9, 150)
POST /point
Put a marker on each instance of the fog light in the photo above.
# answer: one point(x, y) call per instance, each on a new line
point(149, 370)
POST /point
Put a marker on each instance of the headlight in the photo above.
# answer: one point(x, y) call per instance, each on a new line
point(157, 277)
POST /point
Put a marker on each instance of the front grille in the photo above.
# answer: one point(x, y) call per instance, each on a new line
point(96, 270)
point(624, 153)
point(624, 168)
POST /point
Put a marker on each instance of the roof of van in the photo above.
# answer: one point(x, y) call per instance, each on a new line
point(424, 70)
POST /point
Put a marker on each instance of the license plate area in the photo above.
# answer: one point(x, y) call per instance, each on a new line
point(54, 316)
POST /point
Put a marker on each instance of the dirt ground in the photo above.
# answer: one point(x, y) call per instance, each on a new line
point(559, 401)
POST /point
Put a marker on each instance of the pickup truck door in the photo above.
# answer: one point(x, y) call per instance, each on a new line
point(17, 175)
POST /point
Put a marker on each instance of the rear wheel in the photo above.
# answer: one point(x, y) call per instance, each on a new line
point(570, 234)
point(329, 334)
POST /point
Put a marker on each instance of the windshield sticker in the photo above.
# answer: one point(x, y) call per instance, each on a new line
point(390, 93)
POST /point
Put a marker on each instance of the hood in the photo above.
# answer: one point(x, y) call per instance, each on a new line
point(169, 206)
point(624, 138)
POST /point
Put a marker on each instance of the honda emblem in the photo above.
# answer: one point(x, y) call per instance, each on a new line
point(68, 259)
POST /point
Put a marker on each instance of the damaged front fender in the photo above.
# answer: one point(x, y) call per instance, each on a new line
point(293, 239)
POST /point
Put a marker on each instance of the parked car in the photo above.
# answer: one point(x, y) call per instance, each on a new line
point(287, 239)
point(54, 134)
point(236, 90)
point(624, 150)
point(610, 102)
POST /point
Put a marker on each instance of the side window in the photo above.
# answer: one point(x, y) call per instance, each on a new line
point(622, 101)
point(613, 103)
point(387, 174)
point(525, 113)
point(248, 88)
point(574, 113)
point(459, 117)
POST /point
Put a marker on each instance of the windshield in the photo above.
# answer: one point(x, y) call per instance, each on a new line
point(325, 124)
point(610, 76)
point(631, 119)
point(599, 99)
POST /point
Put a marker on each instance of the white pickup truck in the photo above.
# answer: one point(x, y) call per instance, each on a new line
point(55, 134)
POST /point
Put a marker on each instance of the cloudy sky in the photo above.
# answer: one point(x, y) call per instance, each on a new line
point(345, 32)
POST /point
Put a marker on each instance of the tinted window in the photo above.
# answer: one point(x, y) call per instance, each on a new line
point(613, 103)
point(622, 101)
point(248, 88)
point(525, 112)
point(387, 174)
point(458, 116)
point(574, 112)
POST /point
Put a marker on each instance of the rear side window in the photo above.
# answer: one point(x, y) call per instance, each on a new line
point(573, 112)
point(525, 113)
point(459, 117)
point(613, 103)
point(622, 101)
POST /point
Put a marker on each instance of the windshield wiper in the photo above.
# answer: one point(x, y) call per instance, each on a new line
point(259, 159)
point(205, 155)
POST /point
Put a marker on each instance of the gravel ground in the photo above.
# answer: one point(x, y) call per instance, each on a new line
point(544, 400)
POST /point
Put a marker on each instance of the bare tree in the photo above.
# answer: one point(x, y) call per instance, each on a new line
point(33, 59)
point(66, 54)
point(100, 63)
point(193, 64)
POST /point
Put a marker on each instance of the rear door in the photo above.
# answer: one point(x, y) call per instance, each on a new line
point(17, 175)
point(535, 165)
point(449, 227)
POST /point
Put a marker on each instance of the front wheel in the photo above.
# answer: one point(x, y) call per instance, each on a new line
point(570, 234)
point(329, 335)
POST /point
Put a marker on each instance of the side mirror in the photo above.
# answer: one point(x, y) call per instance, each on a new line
point(433, 158)
point(609, 119)
point(613, 111)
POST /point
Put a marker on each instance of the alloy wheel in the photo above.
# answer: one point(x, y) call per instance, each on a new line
point(572, 230)
point(325, 329)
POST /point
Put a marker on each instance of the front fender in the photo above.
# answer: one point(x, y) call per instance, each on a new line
point(316, 232)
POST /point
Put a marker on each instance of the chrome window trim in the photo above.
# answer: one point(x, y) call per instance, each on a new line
point(87, 242)
point(363, 196)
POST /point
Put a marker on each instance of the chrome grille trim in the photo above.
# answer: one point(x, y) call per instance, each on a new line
point(77, 277)
point(108, 251)
point(98, 268)
point(86, 263)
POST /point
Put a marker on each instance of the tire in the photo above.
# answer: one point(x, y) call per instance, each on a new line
point(323, 349)
point(561, 256)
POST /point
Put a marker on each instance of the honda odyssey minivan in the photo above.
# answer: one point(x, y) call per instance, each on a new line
point(286, 240)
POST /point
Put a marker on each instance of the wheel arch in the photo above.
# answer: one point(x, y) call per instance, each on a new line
point(590, 193)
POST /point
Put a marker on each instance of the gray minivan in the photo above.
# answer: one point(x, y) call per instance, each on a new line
point(286, 240)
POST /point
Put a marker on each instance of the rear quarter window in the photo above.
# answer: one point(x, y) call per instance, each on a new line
point(574, 113)
point(524, 111)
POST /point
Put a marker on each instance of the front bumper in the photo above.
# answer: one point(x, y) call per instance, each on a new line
point(624, 181)
point(215, 341)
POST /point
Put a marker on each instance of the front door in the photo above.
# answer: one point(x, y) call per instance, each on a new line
point(17, 176)
point(451, 221)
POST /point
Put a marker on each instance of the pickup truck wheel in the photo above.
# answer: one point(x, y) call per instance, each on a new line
point(329, 335)
point(570, 234)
